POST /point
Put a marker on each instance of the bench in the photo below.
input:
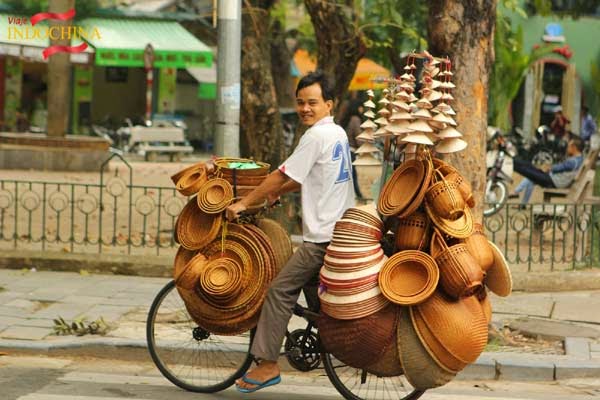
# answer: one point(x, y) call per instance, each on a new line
point(152, 141)
point(589, 163)
point(579, 193)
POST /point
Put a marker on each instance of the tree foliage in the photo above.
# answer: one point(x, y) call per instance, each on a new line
point(390, 28)
point(510, 68)
point(563, 8)
point(29, 7)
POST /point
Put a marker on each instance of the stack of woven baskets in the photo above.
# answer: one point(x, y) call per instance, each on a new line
point(435, 318)
point(222, 271)
point(437, 314)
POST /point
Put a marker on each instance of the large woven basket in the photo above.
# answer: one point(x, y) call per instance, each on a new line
point(420, 368)
point(440, 355)
point(460, 275)
point(359, 342)
point(460, 326)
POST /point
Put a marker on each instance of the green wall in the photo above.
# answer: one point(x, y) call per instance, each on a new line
point(582, 36)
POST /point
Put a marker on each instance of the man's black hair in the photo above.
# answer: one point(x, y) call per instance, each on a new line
point(319, 77)
point(585, 109)
point(577, 142)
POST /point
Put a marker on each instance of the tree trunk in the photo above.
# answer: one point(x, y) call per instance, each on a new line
point(260, 121)
point(281, 58)
point(59, 76)
point(464, 31)
point(339, 43)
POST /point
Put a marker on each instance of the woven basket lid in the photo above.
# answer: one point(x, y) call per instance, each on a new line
point(359, 342)
point(460, 228)
point(440, 355)
point(402, 187)
point(420, 368)
point(280, 241)
point(214, 196)
point(460, 326)
point(192, 180)
point(498, 278)
point(409, 277)
point(178, 175)
point(195, 228)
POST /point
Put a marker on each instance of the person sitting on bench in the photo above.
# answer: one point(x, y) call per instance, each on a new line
point(561, 175)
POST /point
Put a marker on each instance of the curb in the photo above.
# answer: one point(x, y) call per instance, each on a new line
point(161, 266)
point(489, 366)
point(112, 264)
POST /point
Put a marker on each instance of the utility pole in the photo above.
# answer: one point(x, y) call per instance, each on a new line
point(229, 30)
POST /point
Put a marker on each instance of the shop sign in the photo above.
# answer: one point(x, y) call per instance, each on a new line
point(24, 29)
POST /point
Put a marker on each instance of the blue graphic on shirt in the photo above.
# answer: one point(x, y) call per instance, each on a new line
point(342, 153)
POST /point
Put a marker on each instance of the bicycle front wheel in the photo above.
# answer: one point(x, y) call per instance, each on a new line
point(357, 384)
point(189, 356)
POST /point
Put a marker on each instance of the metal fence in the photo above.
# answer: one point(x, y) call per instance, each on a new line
point(116, 217)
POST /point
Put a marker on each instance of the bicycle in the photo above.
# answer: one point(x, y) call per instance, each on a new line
point(198, 361)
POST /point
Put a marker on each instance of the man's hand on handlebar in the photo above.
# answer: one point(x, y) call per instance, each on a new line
point(233, 211)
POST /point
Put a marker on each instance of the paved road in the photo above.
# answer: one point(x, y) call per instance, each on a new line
point(43, 378)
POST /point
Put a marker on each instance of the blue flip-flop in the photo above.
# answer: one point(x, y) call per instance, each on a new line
point(258, 385)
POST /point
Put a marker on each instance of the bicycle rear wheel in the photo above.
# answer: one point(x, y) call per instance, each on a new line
point(357, 384)
point(189, 356)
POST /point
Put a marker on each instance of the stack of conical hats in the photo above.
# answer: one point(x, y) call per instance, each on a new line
point(367, 153)
point(222, 271)
point(437, 278)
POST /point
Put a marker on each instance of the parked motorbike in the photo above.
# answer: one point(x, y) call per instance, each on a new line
point(546, 147)
point(499, 163)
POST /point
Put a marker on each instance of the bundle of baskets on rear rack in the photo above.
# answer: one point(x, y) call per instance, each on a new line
point(423, 310)
point(222, 270)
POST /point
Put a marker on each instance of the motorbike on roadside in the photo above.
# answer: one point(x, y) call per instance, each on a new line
point(499, 163)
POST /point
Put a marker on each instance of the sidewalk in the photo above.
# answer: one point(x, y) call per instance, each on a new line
point(30, 300)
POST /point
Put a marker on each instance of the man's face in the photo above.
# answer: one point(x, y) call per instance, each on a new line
point(571, 149)
point(310, 105)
